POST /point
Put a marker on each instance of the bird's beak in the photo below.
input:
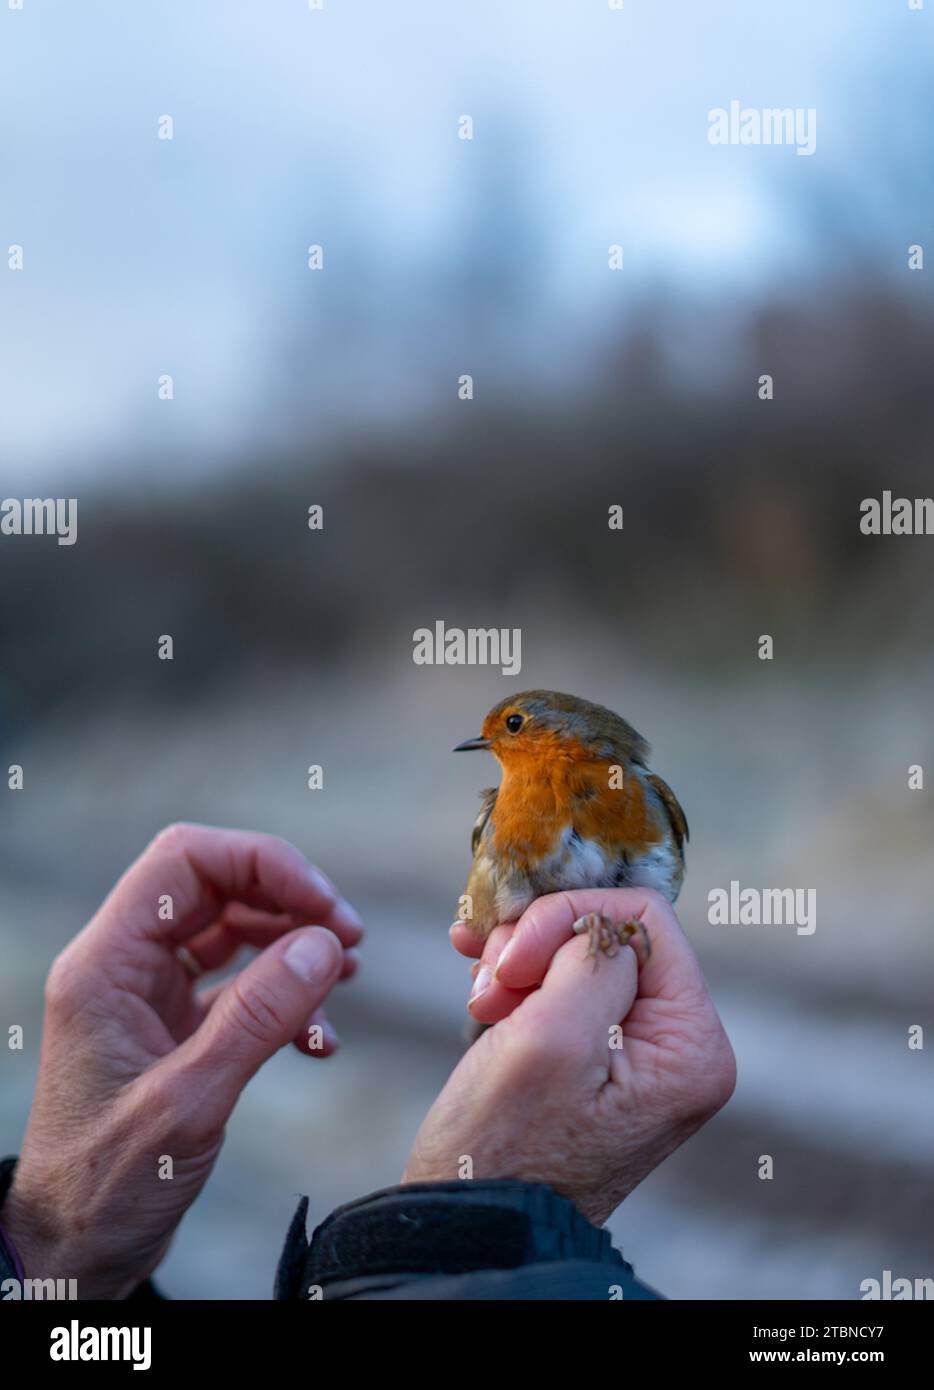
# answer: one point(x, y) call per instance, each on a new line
point(470, 744)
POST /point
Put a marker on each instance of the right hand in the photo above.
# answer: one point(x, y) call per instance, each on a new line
point(544, 1096)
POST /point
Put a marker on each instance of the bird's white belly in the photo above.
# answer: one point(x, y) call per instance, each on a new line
point(580, 863)
point(584, 864)
point(574, 863)
point(661, 868)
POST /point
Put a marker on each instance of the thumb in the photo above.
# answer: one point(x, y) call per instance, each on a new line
point(582, 997)
point(261, 1010)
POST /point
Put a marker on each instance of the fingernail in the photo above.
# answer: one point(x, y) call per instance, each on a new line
point(504, 954)
point(329, 1034)
point(308, 957)
point(481, 983)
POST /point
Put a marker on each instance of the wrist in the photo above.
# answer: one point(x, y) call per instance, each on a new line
point(45, 1251)
point(32, 1251)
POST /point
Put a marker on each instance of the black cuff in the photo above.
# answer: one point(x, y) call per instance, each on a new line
point(430, 1229)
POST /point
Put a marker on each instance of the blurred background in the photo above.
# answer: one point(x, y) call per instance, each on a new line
point(592, 388)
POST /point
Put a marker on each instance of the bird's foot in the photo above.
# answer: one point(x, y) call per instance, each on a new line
point(608, 938)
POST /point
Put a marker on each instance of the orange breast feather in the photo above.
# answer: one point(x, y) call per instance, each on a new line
point(540, 798)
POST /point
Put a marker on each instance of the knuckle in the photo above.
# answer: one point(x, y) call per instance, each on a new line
point(282, 844)
point(263, 842)
point(173, 836)
point(62, 985)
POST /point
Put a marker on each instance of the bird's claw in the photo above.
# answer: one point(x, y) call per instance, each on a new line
point(608, 938)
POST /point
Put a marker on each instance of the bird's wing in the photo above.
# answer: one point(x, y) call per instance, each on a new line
point(486, 810)
point(676, 816)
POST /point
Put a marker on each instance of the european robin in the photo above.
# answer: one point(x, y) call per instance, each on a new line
point(577, 807)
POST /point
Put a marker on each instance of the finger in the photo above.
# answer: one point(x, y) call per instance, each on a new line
point(583, 999)
point(670, 972)
point(264, 1007)
point(489, 1000)
point(318, 1038)
point(185, 878)
point(240, 926)
point(350, 966)
point(465, 940)
point(207, 998)
point(250, 918)
point(219, 943)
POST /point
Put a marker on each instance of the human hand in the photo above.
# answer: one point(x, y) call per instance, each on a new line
point(546, 1095)
point(137, 1067)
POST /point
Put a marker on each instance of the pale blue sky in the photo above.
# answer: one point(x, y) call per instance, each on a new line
point(294, 126)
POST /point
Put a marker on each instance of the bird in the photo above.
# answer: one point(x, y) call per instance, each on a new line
point(577, 807)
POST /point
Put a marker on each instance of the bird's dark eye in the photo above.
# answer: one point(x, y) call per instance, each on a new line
point(514, 723)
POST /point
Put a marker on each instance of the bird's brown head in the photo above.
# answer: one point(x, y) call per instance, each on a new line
point(542, 725)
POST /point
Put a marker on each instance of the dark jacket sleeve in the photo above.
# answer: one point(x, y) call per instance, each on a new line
point(455, 1240)
point(7, 1267)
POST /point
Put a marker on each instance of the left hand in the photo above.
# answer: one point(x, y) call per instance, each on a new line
point(137, 1068)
